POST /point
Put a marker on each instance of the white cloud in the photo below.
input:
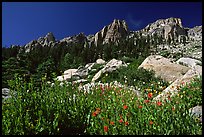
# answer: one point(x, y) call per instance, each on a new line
point(134, 23)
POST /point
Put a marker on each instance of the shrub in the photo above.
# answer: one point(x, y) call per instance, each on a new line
point(105, 110)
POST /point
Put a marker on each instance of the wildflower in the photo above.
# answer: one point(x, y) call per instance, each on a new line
point(97, 112)
point(173, 108)
point(94, 114)
point(149, 95)
point(146, 101)
point(126, 123)
point(150, 122)
point(105, 128)
point(121, 120)
point(125, 106)
point(140, 107)
point(159, 103)
point(111, 123)
point(98, 109)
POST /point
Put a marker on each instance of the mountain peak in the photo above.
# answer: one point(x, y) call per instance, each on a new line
point(112, 33)
point(169, 28)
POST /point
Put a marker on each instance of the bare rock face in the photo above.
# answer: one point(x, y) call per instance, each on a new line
point(79, 39)
point(170, 28)
point(109, 67)
point(76, 73)
point(6, 93)
point(172, 90)
point(48, 40)
point(195, 33)
point(100, 61)
point(188, 62)
point(111, 33)
point(196, 112)
point(67, 74)
point(164, 68)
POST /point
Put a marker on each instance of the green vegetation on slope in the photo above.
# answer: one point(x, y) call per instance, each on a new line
point(105, 110)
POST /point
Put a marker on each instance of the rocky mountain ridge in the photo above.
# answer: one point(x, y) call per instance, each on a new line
point(170, 30)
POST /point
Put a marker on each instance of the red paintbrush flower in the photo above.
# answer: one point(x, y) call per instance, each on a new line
point(125, 107)
point(126, 123)
point(111, 123)
point(159, 103)
point(94, 114)
point(151, 122)
point(121, 120)
point(146, 101)
point(149, 95)
point(105, 128)
point(140, 107)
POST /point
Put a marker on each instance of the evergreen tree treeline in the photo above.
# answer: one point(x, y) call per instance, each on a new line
point(53, 60)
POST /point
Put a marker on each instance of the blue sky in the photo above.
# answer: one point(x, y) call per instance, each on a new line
point(26, 21)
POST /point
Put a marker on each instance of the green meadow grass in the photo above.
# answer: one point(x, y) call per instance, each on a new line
point(105, 110)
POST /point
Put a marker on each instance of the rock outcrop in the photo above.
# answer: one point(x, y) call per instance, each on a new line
point(195, 33)
point(76, 39)
point(109, 67)
point(100, 61)
point(68, 74)
point(6, 93)
point(48, 40)
point(172, 90)
point(189, 62)
point(112, 33)
point(83, 72)
point(164, 68)
point(196, 112)
point(170, 28)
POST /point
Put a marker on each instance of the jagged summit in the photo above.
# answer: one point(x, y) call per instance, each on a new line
point(79, 38)
point(170, 28)
point(112, 33)
point(47, 39)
